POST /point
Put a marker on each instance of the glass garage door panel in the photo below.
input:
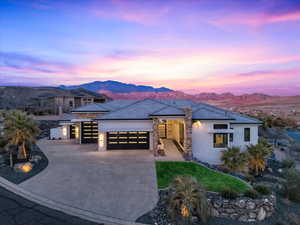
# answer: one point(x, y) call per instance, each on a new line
point(128, 140)
point(89, 132)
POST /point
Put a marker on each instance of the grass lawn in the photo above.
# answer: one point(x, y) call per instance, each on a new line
point(210, 179)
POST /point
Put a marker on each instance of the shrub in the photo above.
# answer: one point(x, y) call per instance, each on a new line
point(291, 186)
point(262, 189)
point(251, 194)
point(233, 159)
point(288, 163)
point(187, 198)
point(250, 178)
point(229, 193)
point(257, 156)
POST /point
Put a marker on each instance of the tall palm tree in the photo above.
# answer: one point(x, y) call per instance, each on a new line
point(187, 198)
point(21, 129)
point(233, 159)
point(257, 157)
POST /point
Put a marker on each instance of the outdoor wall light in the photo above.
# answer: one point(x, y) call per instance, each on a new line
point(64, 131)
point(101, 140)
point(197, 124)
point(76, 132)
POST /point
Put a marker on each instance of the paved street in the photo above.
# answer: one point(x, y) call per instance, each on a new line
point(15, 210)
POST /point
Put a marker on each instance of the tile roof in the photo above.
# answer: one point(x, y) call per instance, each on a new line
point(144, 109)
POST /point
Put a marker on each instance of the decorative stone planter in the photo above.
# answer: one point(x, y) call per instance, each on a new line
point(243, 208)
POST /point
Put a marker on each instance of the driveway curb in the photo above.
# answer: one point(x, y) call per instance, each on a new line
point(83, 214)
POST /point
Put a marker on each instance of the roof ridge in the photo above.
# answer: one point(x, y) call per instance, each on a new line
point(163, 103)
point(126, 106)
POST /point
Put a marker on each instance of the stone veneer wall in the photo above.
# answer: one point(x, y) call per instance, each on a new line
point(188, 132)
point(155, 135)
point(242, 209)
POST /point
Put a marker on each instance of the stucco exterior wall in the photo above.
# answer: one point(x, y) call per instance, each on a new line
point(203, 146)
point(238, 137)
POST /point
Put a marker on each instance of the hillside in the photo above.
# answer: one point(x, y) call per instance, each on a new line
point(116, 87)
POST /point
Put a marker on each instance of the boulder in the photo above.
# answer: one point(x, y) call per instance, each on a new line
point(241, 203)
point(261, 214)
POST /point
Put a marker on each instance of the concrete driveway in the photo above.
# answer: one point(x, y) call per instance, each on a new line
point(119, 184)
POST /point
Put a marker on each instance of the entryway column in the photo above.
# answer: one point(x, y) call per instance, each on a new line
point(188, 132)
point(155, 136)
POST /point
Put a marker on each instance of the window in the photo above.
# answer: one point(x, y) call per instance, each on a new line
point(181, 133)
point(231, 137)
point(247, 134)
point(220, 126)
point(71, 104)
point(220, 140)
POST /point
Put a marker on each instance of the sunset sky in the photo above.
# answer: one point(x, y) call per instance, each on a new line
point(194, 46)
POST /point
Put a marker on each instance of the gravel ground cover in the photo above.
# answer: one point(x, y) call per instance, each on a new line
point(18, 177)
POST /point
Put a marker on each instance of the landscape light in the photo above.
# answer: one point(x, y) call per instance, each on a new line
point(26, 167)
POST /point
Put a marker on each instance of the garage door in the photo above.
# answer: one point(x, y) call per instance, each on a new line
point(128, 140)
point(89, 132)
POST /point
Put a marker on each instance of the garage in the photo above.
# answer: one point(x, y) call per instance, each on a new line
point(127, 140)
point(89, 132)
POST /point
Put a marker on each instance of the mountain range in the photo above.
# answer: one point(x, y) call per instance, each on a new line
point(119, 90)
point(116, 87)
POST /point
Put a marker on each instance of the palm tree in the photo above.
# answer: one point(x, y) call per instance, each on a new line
point(257, 156)
point(21, 129)
point(187, 198)
point(233, 159)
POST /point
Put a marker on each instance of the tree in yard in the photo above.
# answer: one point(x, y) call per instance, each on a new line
point(233, 159)
point(257, 157)
point(20, 129)
point(186, 199)
point(291, 185)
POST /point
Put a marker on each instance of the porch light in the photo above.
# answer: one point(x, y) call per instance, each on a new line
point(198, 124)
point(101, 140)
point(64, 131)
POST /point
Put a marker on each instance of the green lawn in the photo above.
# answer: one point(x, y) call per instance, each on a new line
point(210, 179)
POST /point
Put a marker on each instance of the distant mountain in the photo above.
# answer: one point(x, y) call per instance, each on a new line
point(116, 87)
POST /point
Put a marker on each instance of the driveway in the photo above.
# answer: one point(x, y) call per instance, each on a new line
point(119, 184)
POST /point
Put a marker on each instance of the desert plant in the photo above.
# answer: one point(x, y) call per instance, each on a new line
point(257, 156)
point(228, 193)
point(186, 199)
point(233, 159)
point(251, 193)
point(288, 163)
point(291, 186)
point(20, 129)
point(262, 189)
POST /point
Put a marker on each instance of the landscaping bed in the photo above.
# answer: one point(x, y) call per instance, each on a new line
point(17, 177)
point(210, 179)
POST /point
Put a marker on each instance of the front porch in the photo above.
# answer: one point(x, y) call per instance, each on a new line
point(171, 151)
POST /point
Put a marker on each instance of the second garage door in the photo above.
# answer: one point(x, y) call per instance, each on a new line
point(128, 140)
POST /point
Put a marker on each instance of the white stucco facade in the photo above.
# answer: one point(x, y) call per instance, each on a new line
point(203, 140)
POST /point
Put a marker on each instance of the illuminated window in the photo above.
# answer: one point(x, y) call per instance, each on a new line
point(220, 140)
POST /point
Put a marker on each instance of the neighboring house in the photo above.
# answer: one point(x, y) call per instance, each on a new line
point(71, 99)
point(199, 130)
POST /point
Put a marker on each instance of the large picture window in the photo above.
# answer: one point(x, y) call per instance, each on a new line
point(247, 134)
point(220, 140)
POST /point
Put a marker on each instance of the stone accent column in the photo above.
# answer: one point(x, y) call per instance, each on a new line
point(155, 136)
point(188, 123)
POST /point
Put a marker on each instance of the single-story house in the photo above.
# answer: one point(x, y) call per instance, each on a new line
point(198, 129)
